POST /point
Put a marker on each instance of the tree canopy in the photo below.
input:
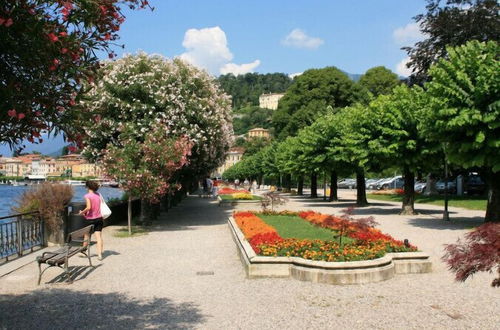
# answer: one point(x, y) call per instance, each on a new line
point(148, 91)
point(451, 23)
point(379, 80)
point(310, 95)
point(47, 50)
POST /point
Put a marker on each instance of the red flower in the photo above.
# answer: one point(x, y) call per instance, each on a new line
point(52, 37)
point(9, 22)
point(12, 113)
point(2, 20)
point(64, 50)
point(63, 34)
point(21, 116)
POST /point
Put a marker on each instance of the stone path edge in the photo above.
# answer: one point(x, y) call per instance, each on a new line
point(351, 272)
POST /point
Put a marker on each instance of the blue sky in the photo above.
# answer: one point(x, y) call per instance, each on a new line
point(353, 35)
point(271, 36)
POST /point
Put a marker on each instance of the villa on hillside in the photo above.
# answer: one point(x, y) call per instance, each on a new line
point(270, 101)
point(258, 133)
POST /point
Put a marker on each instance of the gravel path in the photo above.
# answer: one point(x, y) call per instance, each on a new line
point(163, 280)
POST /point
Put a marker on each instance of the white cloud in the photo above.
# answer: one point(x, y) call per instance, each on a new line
point(401, 68)
point(299, 39)
point(408, 34)
point(293, 75)
point(208, 49)
point(237, 69)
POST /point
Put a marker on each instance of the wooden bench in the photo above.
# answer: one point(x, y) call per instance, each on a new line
point(59, 258)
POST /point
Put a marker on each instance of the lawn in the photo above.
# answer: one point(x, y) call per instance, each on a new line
point(466, 202)
point(296, 227)
point(230, 198)
point(136, 231)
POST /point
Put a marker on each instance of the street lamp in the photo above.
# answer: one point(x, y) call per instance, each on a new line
point(446, 214)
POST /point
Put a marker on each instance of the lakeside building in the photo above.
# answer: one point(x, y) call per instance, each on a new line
point(41, 166)
point(270, 101)
point(233, 156)
point(86, 170)
point(258, 133)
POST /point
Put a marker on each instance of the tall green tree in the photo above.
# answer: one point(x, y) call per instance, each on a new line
point(451, 23)
point(310, 95)
point(379, 80)
point(396, 140)
point(463, 112)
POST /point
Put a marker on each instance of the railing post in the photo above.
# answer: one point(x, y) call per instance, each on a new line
point(19, 235)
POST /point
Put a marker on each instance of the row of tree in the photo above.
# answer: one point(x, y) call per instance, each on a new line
point(455, 115)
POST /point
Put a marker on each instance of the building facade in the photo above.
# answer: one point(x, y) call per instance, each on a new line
point(233, 156)
point(258, 133)
point(270, 101)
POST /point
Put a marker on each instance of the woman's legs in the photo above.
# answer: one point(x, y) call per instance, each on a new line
point(99, 244)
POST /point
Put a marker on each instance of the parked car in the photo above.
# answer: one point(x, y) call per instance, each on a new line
point(375, 184)
point(391, 183)
point(452, 186)
point(420, 186)
point(474, 185)
point(370, 183)
point(346, 184)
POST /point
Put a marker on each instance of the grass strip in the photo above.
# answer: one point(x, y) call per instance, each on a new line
point(296, 227)
point(466, 202)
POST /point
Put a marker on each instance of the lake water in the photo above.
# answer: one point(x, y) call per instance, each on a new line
point(10, 194)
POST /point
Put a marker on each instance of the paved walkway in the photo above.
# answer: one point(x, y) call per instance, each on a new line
point(186, 274)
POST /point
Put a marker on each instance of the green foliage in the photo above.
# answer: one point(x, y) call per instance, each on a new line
point(310, 96)
point(379, 80)
point(251, 117)
point(451, 24)
point(246, 89)
point(254, 145)
point(463, 109)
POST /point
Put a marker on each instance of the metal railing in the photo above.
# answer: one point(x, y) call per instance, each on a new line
point(20, 233)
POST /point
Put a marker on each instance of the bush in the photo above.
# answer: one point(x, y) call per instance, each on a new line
point(47, 198)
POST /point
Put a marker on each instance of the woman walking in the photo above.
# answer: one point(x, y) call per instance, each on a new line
point(92, 213)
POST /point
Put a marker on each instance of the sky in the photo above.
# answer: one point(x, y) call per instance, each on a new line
point(241, 36)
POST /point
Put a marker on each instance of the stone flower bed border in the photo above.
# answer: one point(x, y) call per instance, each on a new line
point(223, 202)
point(351, 272)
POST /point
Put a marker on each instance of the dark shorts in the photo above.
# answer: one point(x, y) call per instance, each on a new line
point(98, 224)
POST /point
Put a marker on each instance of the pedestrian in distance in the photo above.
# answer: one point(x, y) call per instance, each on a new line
point(92, 214)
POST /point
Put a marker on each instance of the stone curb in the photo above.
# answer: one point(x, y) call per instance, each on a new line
point(350, 272)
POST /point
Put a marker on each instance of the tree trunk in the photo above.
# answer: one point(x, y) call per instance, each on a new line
point(287, 186)
point(430, 186)
point(493, 206)
point(360, 188)
point(409, 192)
point(333, 187)
point(314, 185)
point(300, 185)
point(145, 217)
point(129, 215)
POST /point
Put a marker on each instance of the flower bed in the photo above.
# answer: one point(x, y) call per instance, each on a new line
point(366, 242)
point(230, 191)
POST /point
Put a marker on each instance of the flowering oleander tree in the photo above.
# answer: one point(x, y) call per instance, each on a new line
point(47, 50)
point(147, 168)
point(146, 91)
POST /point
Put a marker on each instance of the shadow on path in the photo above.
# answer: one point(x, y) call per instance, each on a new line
point(77, 273)
point(454, 224)
point(191, 212)
point(59, 309)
